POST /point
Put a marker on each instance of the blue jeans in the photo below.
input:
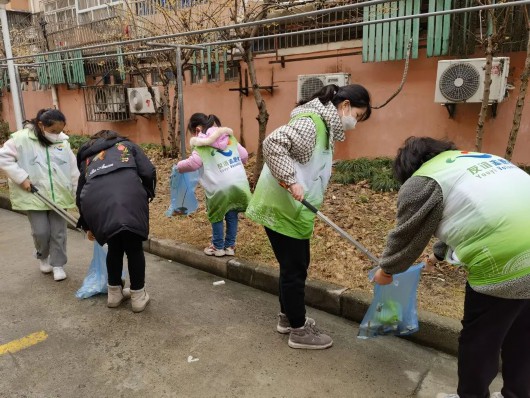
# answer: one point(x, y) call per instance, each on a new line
point(219, 240)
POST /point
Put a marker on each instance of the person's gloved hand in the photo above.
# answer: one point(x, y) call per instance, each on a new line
point(382, 278)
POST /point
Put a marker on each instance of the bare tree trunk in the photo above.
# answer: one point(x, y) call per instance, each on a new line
point(519, 104)
point(241, 125)
point(158, 116)
point(173, 148)
point(486, 96)
point(263, 115)
point(173, 122)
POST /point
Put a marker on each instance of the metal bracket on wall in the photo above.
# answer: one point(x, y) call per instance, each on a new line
point(494, 109)
point(451, 109)
point(246, 89)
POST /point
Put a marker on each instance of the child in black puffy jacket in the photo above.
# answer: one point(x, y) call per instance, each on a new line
point(116, 183)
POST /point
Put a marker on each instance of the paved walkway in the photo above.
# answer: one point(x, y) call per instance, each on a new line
point(194, 339)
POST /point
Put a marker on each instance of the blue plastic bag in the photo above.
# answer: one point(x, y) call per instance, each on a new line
point(183, 200)
point(96, 279)
point(393, 309)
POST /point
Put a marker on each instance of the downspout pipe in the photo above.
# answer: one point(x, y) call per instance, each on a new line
point(14, 84)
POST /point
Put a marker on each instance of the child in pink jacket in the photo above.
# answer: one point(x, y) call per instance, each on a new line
point(220, 159)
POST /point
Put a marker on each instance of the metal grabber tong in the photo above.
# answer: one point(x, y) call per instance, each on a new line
point(343, 233)
point(70, 219)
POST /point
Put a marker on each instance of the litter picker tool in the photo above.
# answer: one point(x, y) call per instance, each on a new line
point(342, 232)
point(63, 213)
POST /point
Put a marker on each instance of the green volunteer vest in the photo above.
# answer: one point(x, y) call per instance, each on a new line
point(49, 169)
point(224, 180)
point(273, 206)
point(486, 215)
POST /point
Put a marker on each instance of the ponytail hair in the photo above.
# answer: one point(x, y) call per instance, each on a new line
point(200, 119)
point(355, 93)
point(47, 117)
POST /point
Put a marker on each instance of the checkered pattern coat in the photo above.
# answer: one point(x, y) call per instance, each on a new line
point(296, 141)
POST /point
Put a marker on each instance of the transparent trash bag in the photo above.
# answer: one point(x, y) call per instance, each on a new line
point(393, 309)
point(96, 280)
point(182, 186)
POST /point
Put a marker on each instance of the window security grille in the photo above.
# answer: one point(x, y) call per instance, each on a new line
point(106, 103)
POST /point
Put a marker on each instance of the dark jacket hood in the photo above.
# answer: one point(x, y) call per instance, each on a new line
point(97, 146)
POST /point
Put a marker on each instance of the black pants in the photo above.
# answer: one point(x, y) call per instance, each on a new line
point(494, 326)
point(131, 244)
point(293, 256)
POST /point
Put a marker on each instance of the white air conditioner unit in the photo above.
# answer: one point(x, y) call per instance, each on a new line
point(140, 100)
point(110, 99)
point(462, 80)
point(310, 84)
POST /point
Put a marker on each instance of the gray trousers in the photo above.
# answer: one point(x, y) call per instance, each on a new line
point(49, 236)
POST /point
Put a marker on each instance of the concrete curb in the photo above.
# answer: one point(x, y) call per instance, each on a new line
point(436, 331)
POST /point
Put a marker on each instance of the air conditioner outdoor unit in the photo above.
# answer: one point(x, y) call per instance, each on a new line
point(110, 99)
point(140, 100)
point(310, 84)
point(462, 80)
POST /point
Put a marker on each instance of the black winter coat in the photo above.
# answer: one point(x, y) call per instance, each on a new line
point(117, 180)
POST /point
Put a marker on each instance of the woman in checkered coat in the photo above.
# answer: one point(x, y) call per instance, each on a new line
point(298, 156)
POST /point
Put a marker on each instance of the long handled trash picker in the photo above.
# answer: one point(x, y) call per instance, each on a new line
point(343, 233)
point(63, 213)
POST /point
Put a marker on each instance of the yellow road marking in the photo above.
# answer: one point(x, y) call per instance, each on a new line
point(24, 342)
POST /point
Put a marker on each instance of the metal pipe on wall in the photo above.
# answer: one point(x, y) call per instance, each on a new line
point(180, 96)
point(287, 17)
point(14, 84)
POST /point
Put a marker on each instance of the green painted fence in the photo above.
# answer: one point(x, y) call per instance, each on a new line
point(70, 70)
point(388, 41)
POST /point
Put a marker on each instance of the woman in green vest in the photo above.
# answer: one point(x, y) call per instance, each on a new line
point(40, 155)
point(476, 204)
point(298, 157)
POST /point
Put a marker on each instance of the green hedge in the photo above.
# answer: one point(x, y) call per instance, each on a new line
point(377, 172)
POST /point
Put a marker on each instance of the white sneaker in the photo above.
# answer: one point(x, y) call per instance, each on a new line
point(230, 251)
point(44, 266)
point(59, 274)
point(213, 251)
point(444, 395)
point(496, 395)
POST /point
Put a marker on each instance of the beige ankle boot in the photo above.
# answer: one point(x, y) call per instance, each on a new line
point(116, 295)
point(139, 300)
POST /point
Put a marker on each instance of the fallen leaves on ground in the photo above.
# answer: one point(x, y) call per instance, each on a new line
point(364, 214)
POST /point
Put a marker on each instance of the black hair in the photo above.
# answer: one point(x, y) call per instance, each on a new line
point(415, 152)
point(355, 93)
point(200, 119)
point(105, 134)
point(47, 117)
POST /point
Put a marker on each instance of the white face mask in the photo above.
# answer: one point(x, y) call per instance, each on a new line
point(348, 122)
point(52, 137)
